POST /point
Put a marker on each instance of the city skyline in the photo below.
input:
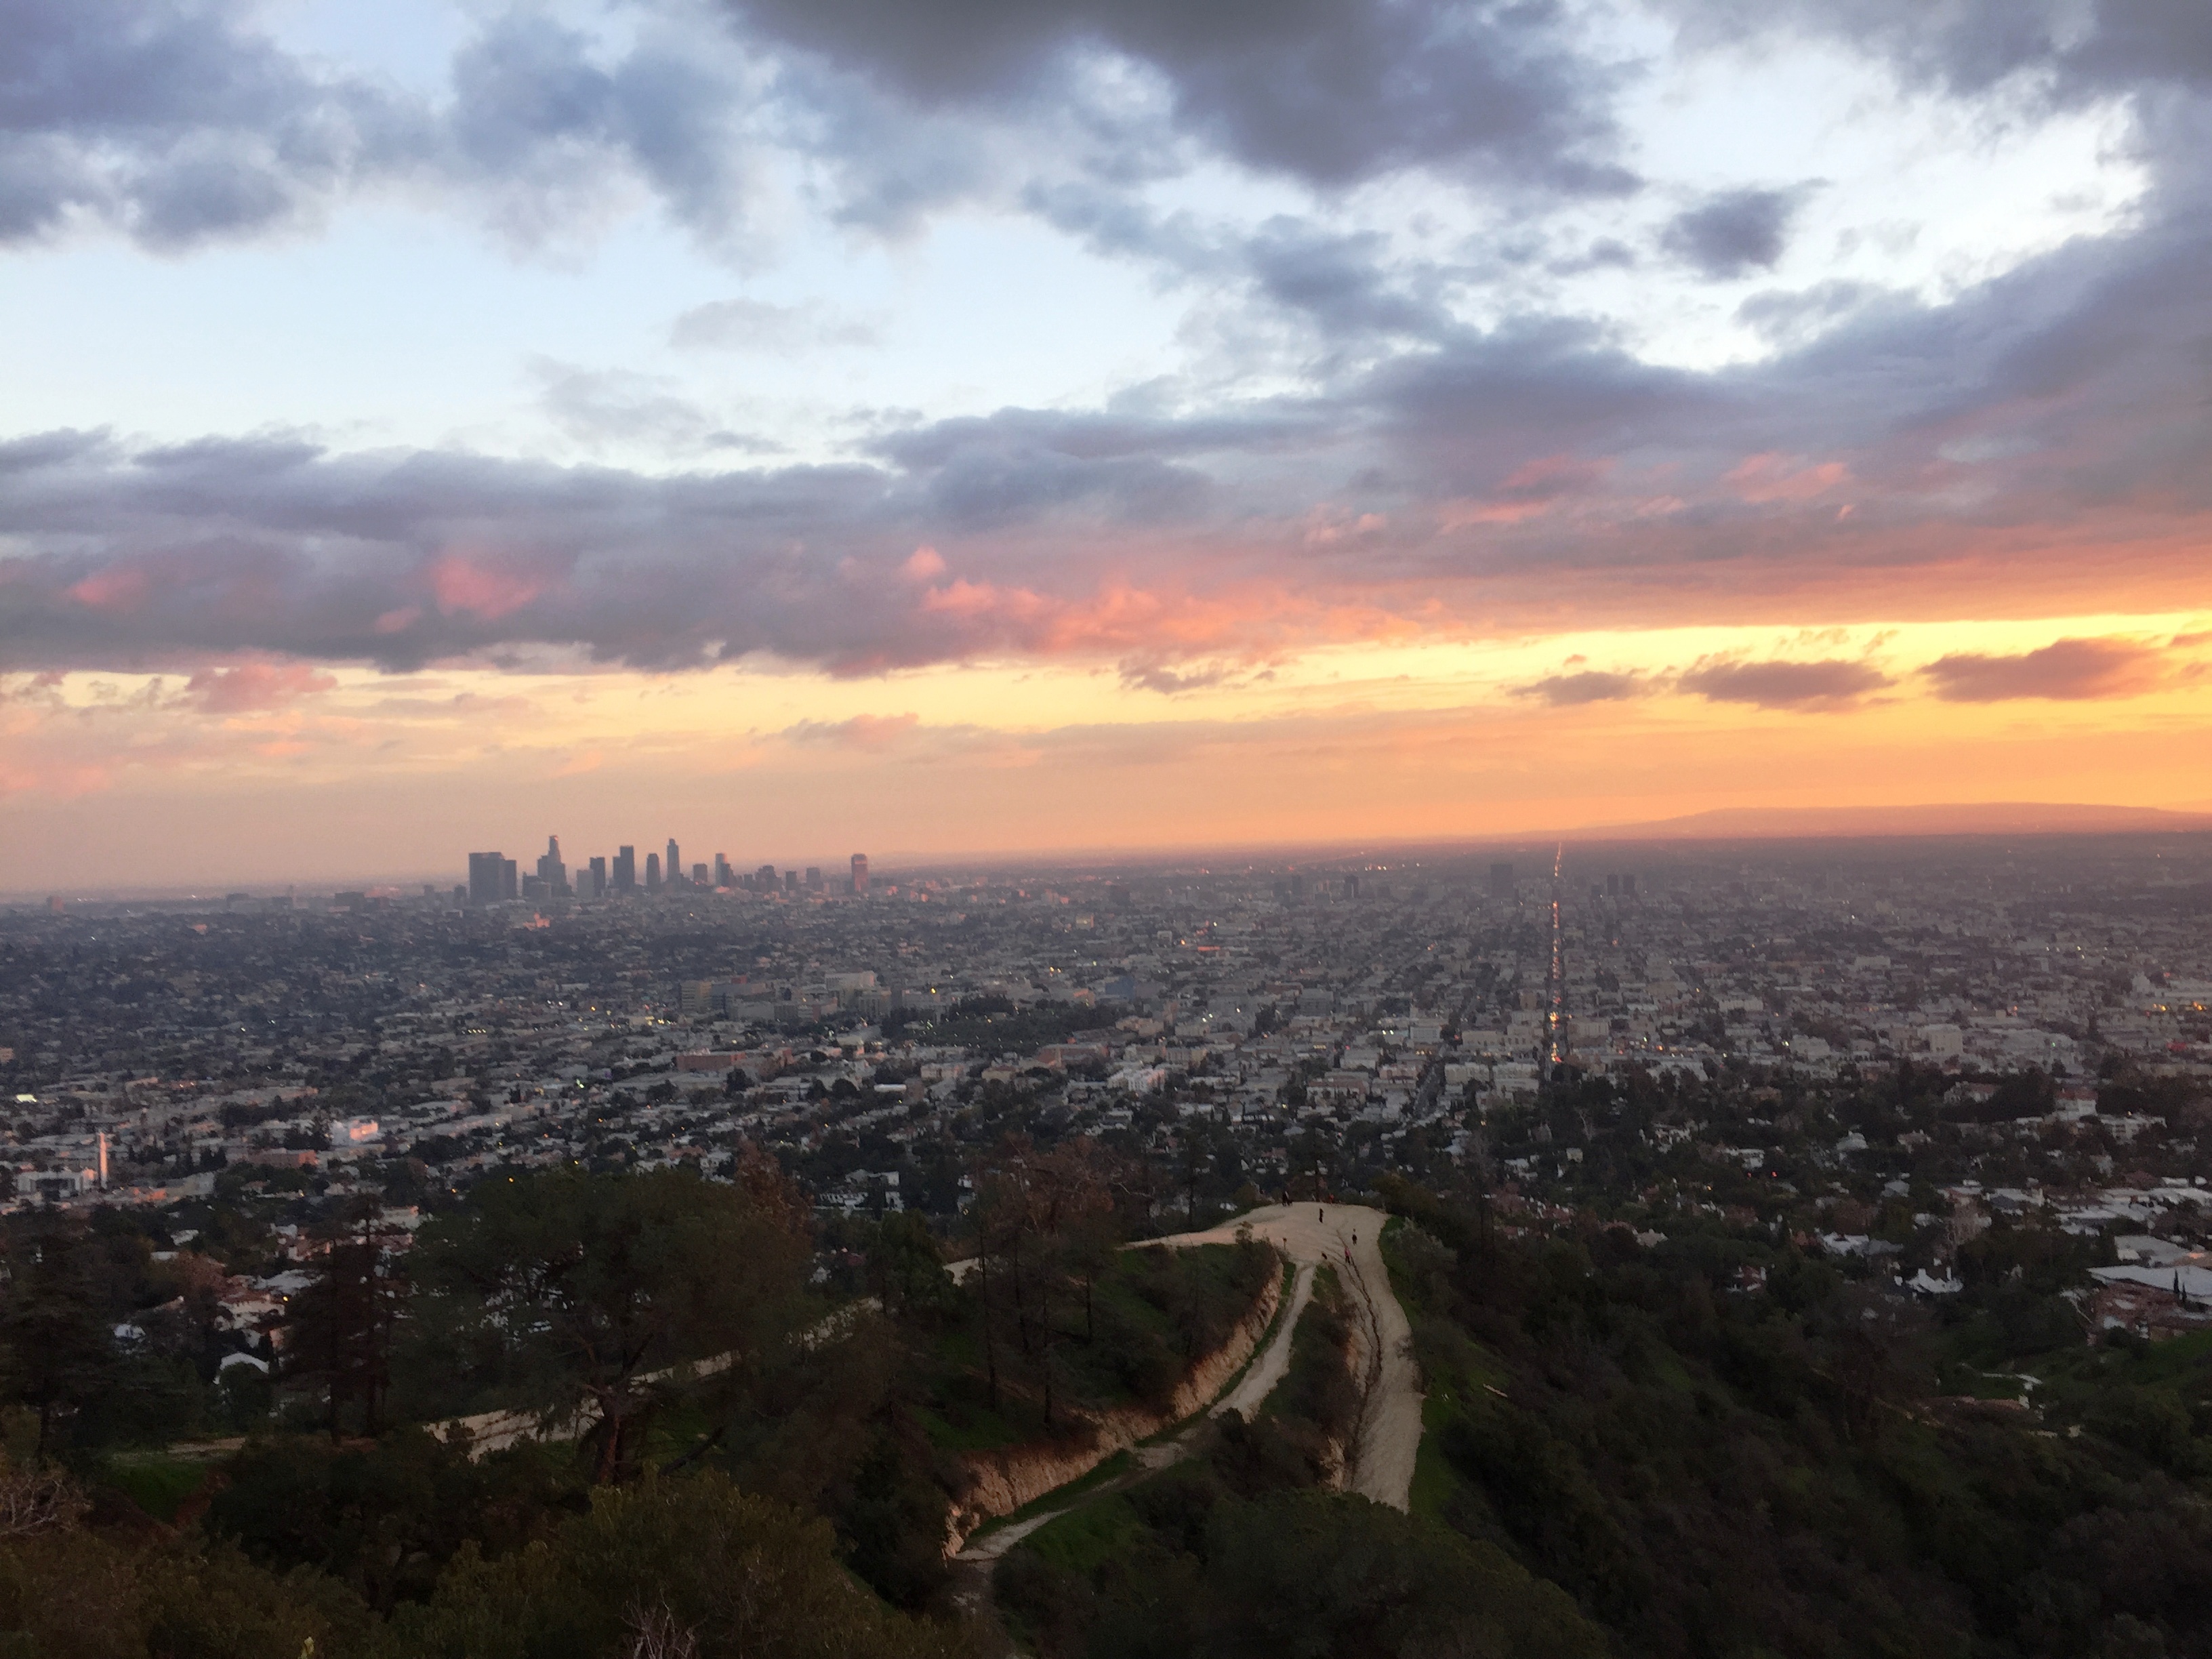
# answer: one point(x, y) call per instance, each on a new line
point(1921, 825)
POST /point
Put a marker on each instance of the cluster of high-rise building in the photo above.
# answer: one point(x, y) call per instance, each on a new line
point(495, 878)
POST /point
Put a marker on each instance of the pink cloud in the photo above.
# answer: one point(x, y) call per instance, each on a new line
point(110, 590)
point(1771, 477)
point(256, 685)
point(1530, 491)
point(971, 601)
point(923, 563)
point(490, 591)
point(1549, 476)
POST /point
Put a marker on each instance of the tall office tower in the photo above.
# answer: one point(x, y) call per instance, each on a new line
point(861, 873)
point(764, 879)
point(599, 880)
point(813, 878)
point(510, 885)
point(626, 869)
point(791, 881)
point(1501, 881)
point(1351, 887)
point(673, 864)
point(652, 873)
point(486, 877)
point(724, 876)
point(1628, 886)
point(699, 876)
point(1612, 886)
point(551, 870)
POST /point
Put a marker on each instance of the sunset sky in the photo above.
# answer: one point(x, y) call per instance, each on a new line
point(946, 426)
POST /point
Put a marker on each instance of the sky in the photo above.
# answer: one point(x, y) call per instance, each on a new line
point(945, 427)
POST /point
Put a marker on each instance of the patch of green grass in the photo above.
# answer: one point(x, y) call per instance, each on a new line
point(1434, 1479)
point(1317, 1353)
point(155, 1482)
point(1081, 1540)
point(972, 1429)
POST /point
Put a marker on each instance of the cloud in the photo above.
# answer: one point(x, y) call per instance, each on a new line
point(2066, 671)
point(1831, 683)
point(1977, 45)
point(871, 733)
point(759, 326)
point(180, 123)
point(1788, 318)
point(2038, 434)
point(1330, 91)
point(256, 685)
point(1734, 233)
point(605, 407)
point(1142, 676)
point(405, 558)
point(1590, 686)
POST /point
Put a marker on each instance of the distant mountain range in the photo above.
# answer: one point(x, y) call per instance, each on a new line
point(1965, 818)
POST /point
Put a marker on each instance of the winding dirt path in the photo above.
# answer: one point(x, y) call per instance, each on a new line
point(1265, 1370)
point(1350, 1237)
point(1386, 1439)
point(1275, 1360)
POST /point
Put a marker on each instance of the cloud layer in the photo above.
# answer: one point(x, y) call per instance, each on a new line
point(1388, 446)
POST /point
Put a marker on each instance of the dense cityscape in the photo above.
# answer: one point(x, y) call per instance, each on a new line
point(1346, 1017)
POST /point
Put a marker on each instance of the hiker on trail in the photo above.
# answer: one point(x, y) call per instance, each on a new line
point(1355, 1238)
point(1320, 1214)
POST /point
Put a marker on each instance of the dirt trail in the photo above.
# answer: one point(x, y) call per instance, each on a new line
point(1389, 1433)
point(1265, 1371)
point(1350, 1237)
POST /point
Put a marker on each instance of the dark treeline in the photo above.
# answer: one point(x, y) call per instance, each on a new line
point(1713, 1469)
point(717, 1446)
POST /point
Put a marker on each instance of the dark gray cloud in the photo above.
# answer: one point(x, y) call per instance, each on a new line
point(991, 472)
point(1788, 318)
point(1590, 686)
point(1831, 683)
point(1345, 285)
point(2062, 49)
point(2071, 670)
point(1142, 676)
point(1733, 234)
point(174, 120)
point(169, 555)
point(1332, 91)
point(178, 122)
